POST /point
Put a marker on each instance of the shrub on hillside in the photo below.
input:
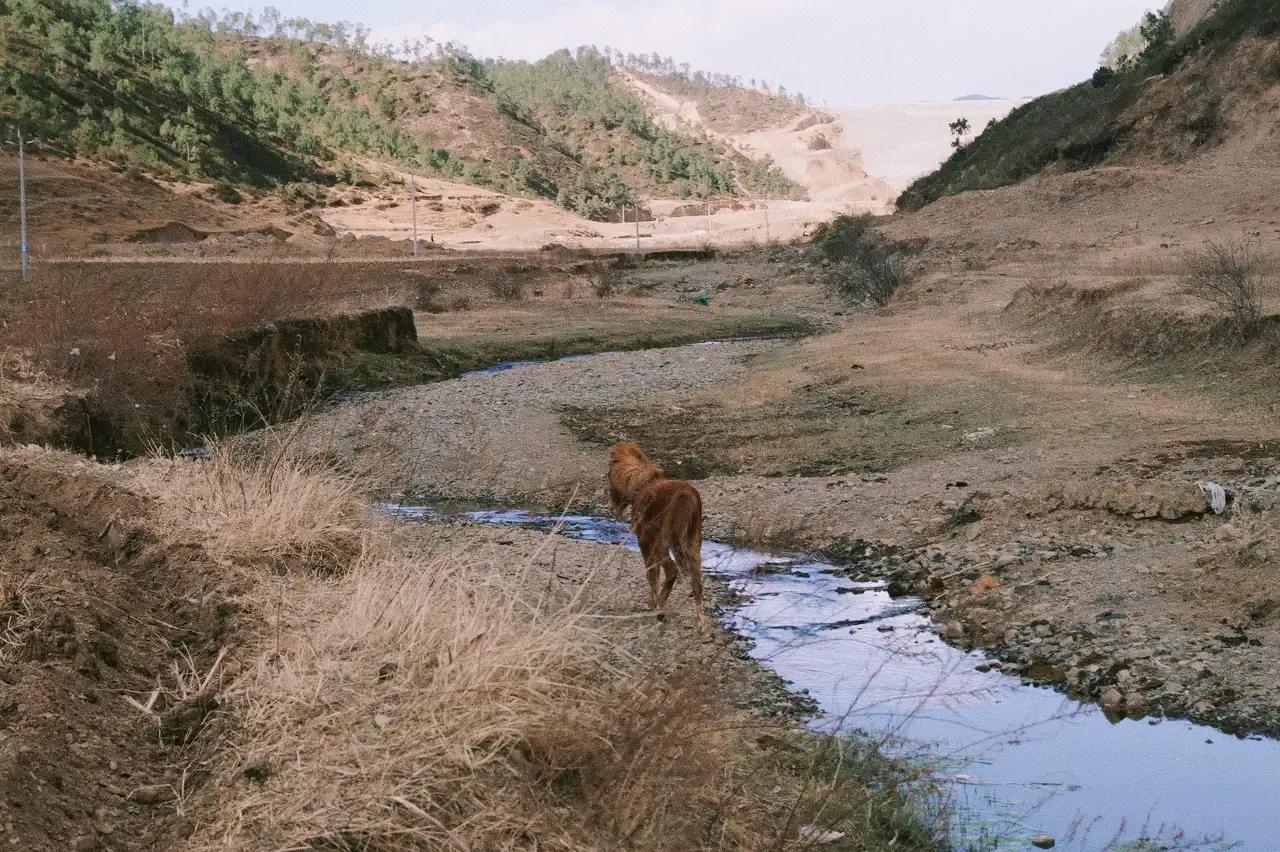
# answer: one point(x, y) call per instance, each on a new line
point(1226, 275)
point(865, 266)
point(507, 289)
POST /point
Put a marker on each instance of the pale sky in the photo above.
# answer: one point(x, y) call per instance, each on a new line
point(838, 52)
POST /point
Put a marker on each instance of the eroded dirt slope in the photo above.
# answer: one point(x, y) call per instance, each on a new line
point(95, 611)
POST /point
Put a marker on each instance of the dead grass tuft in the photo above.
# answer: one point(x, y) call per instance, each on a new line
point(264, 509)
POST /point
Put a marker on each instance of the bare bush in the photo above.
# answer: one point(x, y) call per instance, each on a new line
point(1226, 275)
point(507, 289)
point(604, 286)
point(874, 278)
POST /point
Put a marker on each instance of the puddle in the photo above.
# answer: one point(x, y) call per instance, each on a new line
point(503, 366)
point(1023, 759)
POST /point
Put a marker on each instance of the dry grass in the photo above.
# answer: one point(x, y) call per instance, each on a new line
point(15, 613)
point(256, 509)
point(397, 720)
point(457, 700)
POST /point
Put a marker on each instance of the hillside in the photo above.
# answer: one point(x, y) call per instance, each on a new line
point(293, 107)
point(1204, 79)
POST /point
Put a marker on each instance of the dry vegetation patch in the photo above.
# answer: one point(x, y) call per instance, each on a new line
point(448, 697)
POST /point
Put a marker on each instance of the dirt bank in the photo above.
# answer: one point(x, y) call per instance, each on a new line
point(99, 618)
point(117, 360)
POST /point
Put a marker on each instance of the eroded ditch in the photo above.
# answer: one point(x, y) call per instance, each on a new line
point(1022, 761)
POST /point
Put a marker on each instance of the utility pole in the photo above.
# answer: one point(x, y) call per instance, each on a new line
point(766, 222)
point(413, 203)
point(24, 263)
point(708, 220)
point(637, 212)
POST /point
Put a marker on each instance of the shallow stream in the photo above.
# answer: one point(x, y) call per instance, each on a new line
point(1022, 760)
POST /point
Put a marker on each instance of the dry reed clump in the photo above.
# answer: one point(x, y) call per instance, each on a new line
point(400, 720)
point(264, 509)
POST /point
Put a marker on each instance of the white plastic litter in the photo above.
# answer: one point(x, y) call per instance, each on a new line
point(1215, 494)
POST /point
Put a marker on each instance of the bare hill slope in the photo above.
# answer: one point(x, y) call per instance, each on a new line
point(1182, 99)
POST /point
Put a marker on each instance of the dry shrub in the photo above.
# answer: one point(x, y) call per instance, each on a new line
point(604, 285)
point(264, 509)
point(1227, 275)
point(507, 289)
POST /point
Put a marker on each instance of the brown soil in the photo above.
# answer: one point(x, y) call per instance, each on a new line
point(95, 611)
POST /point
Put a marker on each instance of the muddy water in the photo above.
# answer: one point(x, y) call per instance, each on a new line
point(1022, 760)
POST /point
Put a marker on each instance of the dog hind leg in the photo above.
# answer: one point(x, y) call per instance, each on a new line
point(669, 575)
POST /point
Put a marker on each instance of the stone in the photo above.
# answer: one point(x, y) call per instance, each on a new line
point(1111, 699)
point(1043, 841)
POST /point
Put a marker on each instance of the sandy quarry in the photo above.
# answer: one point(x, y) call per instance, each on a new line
point(850, 161)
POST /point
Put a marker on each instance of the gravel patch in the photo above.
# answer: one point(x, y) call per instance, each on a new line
point(491, 435)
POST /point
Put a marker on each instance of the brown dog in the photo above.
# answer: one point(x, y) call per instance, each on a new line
point(666, 516)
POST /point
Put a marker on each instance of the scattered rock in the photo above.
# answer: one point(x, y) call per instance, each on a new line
point(1043, 841)
point(817, 834)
